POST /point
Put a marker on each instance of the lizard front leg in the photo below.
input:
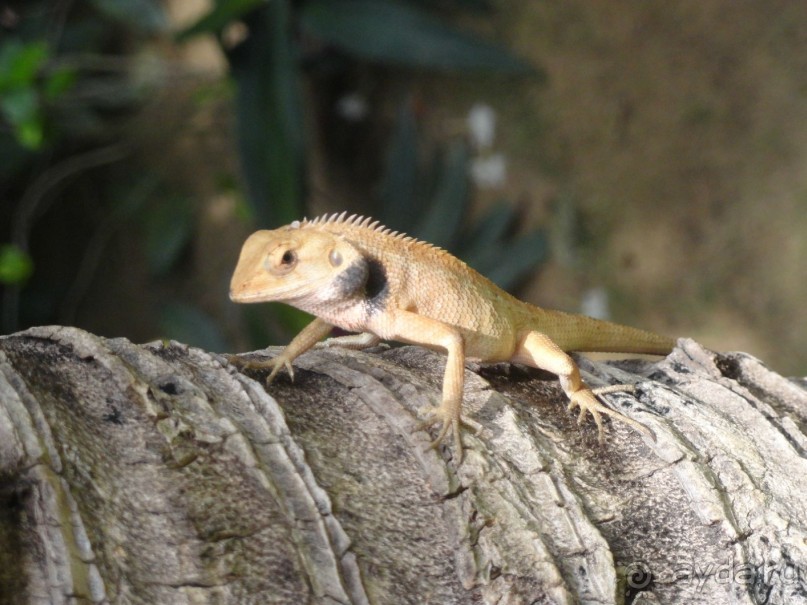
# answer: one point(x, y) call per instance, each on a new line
point(538, 350)
point(307, 338)
point(413, 328)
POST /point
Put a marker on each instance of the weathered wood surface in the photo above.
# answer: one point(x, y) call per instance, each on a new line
point(160, 474)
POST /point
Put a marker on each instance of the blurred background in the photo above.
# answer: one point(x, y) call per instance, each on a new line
point(643, 162)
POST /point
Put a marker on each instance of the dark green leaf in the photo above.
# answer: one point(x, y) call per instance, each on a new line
point(391, 32)
point(59, 82)
point(258, 331)
point(13, 158)
point(293, 320)
point(286, 323)
point(486, 248)
point(145, 15)
point(469, 5)
point(15, 265)
point(492, 225)
point(20, 63)
point(244, 210)
point(270, 124)
point(223, 13)
point(474, 5)
point(189, 325)
point(168, 228)
point(20, 106)
point(442, 223)
point(483, 239)
point(400, 207)
point(517, 258)
point(31, 133)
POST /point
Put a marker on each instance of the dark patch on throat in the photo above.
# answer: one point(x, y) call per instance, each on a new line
point(376, 289)
point(366, 280)
point(352, 280)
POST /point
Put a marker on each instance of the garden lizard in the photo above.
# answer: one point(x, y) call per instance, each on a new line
point(353, 273)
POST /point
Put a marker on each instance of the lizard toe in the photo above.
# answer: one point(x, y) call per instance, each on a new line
point(450, 422)
point(277, 364)
point(587, 401)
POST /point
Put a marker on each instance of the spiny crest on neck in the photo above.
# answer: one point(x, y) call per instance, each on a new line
point(360, 222)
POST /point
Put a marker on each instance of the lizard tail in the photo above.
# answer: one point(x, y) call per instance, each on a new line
point(580, 333)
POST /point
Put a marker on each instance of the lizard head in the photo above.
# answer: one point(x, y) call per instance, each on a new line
point(301, 267)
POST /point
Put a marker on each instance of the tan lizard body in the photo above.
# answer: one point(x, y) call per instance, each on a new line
point(352, 273)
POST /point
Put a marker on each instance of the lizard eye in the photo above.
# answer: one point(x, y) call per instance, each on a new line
point(289, 258)
point(278, 263)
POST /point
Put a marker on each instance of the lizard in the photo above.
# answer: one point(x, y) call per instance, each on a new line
point(353, 273)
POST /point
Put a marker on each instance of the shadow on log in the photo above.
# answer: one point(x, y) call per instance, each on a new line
point(160, 474)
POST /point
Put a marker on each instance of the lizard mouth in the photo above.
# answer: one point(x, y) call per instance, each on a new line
point(241, 297)
point(290, 293)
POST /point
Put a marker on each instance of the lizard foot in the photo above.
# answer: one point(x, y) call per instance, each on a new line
point(452, 420)
point(587, 401)
point(275, 364)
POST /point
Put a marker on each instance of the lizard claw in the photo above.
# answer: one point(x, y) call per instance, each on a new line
point(587, 401)
point(275, 365)
point(580, 400)
point(453, 421)
point(278, 363)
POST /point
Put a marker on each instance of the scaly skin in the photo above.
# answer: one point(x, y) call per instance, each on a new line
point(352, 273)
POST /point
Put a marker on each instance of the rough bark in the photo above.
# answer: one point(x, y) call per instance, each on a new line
point(160, 474)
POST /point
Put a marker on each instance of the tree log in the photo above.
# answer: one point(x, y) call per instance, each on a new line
point(161, 474)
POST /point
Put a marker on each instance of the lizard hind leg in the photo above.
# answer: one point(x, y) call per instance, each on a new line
point(538, 350)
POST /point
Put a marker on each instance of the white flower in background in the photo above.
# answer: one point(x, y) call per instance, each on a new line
point(352, 107)
point(595, 303)
point(488, 169)
point(482, 126)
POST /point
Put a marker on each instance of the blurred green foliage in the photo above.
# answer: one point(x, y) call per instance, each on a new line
point(70, 78)
point(71, 75)
point(433, 205)
point(330, 35)
point(26, 87)
point(287, 39)
point(401, 33)
point(15, 265)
